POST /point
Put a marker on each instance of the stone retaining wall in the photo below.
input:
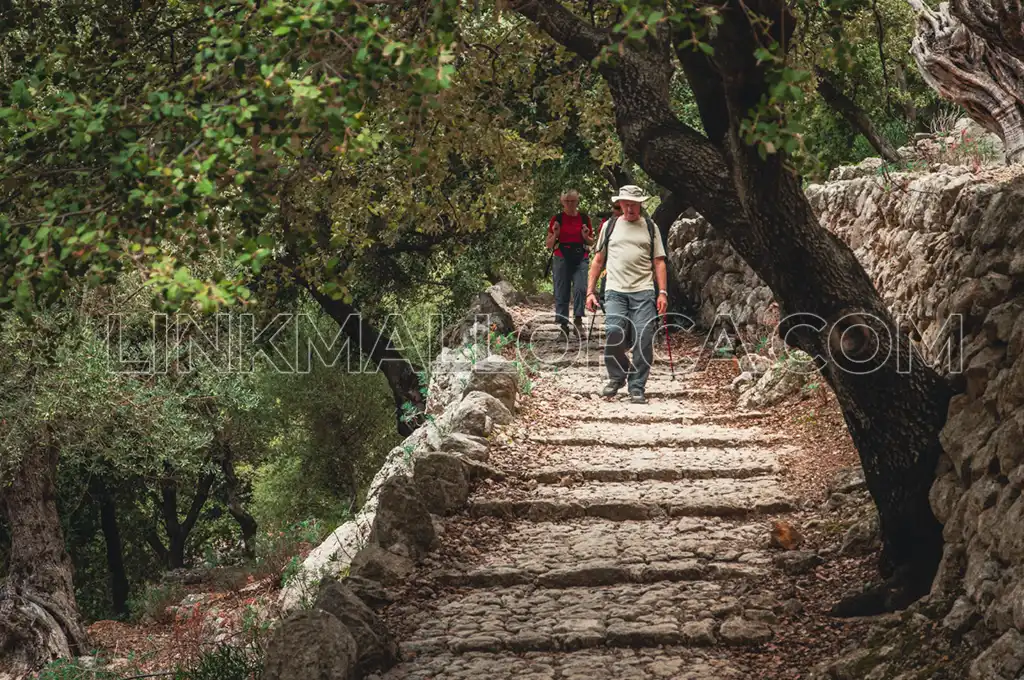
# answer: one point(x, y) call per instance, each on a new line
point(466, 398)
point(946, 251)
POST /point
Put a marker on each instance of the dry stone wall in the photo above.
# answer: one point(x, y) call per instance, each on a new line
point(468, 395)
point(946, 250)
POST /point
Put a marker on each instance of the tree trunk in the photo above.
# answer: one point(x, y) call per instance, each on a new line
point(909, 110)
point(997, 22)
point(822, 289)
point(246, 522)
point(177, 531)
point(39, 619)
point(119, 587)
point(982, 77)
point(401, 375)
point(854, 115)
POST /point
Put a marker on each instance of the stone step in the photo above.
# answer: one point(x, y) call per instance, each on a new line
point(659, 384)
point(540, 547)
point(647, 435)
point(669, 663)
point(605, 573)
point(529, 619)
point(655, 412)
point(619, 501)
point(603, 464)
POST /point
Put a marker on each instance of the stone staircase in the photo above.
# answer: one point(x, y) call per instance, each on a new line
point(630, 532)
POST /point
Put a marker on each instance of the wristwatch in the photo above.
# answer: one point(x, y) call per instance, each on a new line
point(663, 292)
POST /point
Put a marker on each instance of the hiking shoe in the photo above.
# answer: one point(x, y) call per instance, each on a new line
point(578, 323)
point(611, 388)
point(637, 398)
point(565, 329)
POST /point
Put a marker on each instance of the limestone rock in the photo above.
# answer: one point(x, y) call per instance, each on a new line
point(381, 566)
point(739, 631)
point(485, 315)
point(849, 480)
point(961, 617)
point(477, 414)
point(477, 471)
point(441, 481)
point(863, 538)
point(467, 445)
point(783, 379)
point(376, 649)
point(312, 645)
point(1004, 660)
point(449, 374)
point(798, 561)
point(373, 593)
point(402, 519)
point(498, 377)
point(699, 633)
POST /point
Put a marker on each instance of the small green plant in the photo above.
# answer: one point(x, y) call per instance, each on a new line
point(407, 450)
point(410, 412)
point(498, 342)
point(154, 601)
point(226, 662)
point(277, 549)
point(73, 669)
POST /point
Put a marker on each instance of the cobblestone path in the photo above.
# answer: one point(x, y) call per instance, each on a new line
point(632, 527)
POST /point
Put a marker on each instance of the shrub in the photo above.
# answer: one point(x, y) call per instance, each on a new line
point(225, 663)
point(153, 602)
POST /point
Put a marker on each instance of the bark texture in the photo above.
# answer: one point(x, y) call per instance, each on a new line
point(233, 499)
point(854, 115)
point(758, 205)
point(39, 619)
point(975, 72)
point(115, 550)
point(177, 530)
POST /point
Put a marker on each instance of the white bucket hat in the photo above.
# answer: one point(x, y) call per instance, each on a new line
point(631, 192)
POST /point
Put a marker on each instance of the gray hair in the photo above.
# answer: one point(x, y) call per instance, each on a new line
point(569, 193)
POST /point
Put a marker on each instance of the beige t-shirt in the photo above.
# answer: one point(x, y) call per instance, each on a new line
point(629, 265)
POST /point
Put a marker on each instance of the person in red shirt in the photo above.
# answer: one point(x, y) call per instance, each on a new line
point(569, 234)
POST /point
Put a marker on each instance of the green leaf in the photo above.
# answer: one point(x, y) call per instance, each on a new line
point(204, 187)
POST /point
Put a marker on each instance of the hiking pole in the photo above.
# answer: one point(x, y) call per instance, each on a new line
point(668, 346)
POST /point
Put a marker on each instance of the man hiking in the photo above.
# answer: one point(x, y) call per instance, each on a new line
point(630, 251)
point(569, 234)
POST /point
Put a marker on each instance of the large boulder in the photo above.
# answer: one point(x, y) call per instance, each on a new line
point(442, 482)
point(486, 315)
point(498, 377)
point(449, 374)
point(312, 645)
point(375, 564)
point(466, 445)
point(402, 524)
point(478, 413)
point(376, 649)
point(785, 377)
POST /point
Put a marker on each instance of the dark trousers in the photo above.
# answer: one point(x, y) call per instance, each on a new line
point(572, 283)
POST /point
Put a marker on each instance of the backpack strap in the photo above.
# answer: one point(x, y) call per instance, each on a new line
point(650, 232)
point(609, 225)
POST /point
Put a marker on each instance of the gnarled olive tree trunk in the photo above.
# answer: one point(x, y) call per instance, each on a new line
point(829, 306)
point(983, 73)
point(39, 619)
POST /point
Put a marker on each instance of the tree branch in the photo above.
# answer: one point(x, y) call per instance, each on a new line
point(202, 493)
point(564, 26)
